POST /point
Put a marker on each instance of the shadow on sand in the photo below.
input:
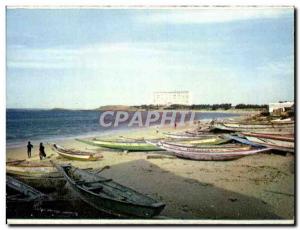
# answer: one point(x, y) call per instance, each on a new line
point(185, 198)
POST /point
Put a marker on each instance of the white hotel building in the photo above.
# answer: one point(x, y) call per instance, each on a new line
point(171, 97)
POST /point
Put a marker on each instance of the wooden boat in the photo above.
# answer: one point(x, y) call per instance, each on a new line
point(242, 140)
point(121, 144)
point(197, 132)
point(256, 130)
point(258, 126)
point(212, 156)
point(24, 201)
point(288, 138)
point(189, 135)
point(208, 141)
point(283, 121)
point(285, 146)
point(42, 176)
point(47, 182)
point(108, 196)
point(30, 168)
point(276, 122)
point(18, 192)
point(214, 140)
point(75, 154)
point(210, 148)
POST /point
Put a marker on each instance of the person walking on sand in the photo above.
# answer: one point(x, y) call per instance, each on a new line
point(42, 151)
point(29, 147)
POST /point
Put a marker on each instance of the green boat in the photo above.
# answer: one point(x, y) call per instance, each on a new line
point(122, 144)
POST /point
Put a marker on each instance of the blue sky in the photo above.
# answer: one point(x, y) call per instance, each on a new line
point(85, 58)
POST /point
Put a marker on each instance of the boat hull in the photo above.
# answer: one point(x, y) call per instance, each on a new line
point(122, 145)
point(256, 130)
point(188, 135)
point(211, 149)
point(49, 182)
point(107, 198)
point(28, 170)
point(274, 144)
point(72, 155)
point(115, 208)
point(287, 138)
point(216, 156)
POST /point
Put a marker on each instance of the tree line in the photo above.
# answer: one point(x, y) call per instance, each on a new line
point(224, 106)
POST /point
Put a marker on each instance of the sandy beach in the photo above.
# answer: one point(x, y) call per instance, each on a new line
point(254, 187)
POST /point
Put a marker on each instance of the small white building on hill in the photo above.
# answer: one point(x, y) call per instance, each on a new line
point(280, 105)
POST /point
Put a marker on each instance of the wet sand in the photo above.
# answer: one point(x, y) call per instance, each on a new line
point(254, 187)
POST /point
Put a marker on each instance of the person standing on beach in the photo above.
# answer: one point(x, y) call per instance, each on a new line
point(29, 147)
point(42, 151)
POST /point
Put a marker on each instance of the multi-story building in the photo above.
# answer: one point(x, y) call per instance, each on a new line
point(171, 97)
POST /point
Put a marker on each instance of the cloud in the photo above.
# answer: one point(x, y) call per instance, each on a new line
point(109, 56)
point(215, 15)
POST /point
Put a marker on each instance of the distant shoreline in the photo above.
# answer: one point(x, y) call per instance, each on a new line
point(242, 111)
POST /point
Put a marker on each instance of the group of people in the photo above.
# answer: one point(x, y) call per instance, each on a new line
point(42, 153)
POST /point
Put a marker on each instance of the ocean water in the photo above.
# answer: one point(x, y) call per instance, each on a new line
point(37, 125)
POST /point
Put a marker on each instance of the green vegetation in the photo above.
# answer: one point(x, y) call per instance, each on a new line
point(224, 106)
point(251, 106)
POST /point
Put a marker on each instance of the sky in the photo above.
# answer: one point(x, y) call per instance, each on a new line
point(86, 58)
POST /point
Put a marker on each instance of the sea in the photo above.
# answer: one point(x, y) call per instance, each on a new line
point(24, 125)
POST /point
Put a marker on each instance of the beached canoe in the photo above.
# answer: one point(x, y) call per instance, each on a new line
point(288, 138)
point(22, 200)
point(283, 121)
point(188, 135)
point(211, 148)
point(108, 196)
point(258, 126)
point(255, 123)
point(280, 145)
point(182, 144)
point(31, 168)
point(75, 154)
point(121, 144)
point(48, 182)
point(214, 140)
point(207, 141)
point(256, 130)
point(212, 156)
point(18, 192)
